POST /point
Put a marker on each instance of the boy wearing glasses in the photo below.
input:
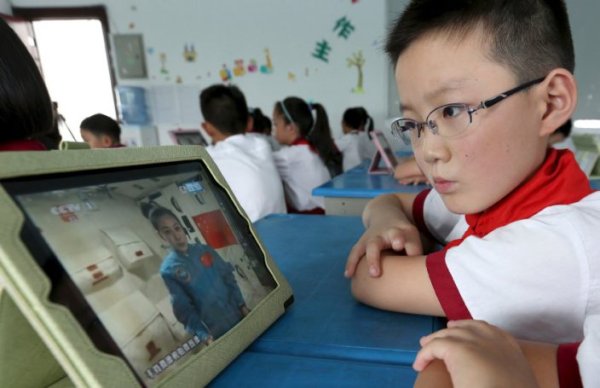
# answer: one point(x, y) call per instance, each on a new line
point(483, 84)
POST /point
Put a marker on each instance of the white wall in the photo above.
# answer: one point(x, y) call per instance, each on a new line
point(5, 7)
point(585, 28)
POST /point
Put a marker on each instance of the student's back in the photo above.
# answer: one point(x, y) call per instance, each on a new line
point(355, 143)
point(301, 170)
point(300, 163)
point(246, 162)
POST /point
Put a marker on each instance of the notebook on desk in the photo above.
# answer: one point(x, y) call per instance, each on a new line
point(99, 252)
point(384, 161)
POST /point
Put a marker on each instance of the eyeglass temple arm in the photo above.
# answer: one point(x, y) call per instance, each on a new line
point(502, 96)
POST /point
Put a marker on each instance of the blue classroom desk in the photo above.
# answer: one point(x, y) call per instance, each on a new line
point(348, 193)
point(325, 332)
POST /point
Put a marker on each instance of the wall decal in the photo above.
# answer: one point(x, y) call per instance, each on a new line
point(322, 50)
point(189, 53)
point(357, 60)
point(344, 26)
point(267, 68)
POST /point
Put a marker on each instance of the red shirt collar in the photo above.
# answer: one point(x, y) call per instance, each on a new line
point(558, 181)
point(303, 141)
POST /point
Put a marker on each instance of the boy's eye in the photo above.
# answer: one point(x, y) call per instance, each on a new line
point(452, 111)
point(408, 125)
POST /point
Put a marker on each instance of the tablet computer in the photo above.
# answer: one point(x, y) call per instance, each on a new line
point(188, 137)
point(384, 161)
point(133, 266)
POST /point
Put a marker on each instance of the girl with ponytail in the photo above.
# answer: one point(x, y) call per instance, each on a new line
point(309, 157)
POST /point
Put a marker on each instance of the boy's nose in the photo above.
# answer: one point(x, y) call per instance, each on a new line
point(433, 147)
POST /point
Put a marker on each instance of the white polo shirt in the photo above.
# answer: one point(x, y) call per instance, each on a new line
point(247, 164)
point(537, 278)
point(355, 147)
point(301, 171)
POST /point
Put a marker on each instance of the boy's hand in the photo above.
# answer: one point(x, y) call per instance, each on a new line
point(477, 352)
point(404, 237)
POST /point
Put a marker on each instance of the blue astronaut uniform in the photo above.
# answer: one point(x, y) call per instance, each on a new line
point(204, 294)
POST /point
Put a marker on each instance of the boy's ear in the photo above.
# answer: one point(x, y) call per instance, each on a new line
point(559, 100)
point(106, 141)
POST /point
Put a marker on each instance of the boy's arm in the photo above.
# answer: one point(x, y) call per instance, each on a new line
point(389, 225)
point(403, 286)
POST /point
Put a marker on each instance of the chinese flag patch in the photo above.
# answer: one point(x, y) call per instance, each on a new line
point(206, 259)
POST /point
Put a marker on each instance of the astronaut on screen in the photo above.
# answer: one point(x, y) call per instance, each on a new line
point(205, 296)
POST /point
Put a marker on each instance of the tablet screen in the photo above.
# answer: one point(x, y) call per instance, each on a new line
point(188, 137)
point(155, 262)
point(387, 149)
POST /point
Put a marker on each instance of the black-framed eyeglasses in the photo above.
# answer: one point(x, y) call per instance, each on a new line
point(450, 120)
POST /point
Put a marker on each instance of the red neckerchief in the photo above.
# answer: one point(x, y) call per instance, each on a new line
point(22, 145)
point(558, 181)
point(303, 141)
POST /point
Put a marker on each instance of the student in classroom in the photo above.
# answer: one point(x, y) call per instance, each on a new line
point(355, 142)
point(245, 161)
point(474, 353)
point(205, 296)
point(261, 126)
point(308, 157)
point(518, 219)
point(101, 131)
point(25, 105)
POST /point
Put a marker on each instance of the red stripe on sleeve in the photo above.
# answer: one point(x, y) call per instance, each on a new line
point(566, 363)
point(418, 213)
point(445, 288)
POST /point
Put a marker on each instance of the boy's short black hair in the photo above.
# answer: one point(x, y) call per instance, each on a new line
point(100, 124)
point(224, 106)
point(530, 37)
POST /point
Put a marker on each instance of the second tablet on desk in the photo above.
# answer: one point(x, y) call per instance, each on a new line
point(383, 154)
